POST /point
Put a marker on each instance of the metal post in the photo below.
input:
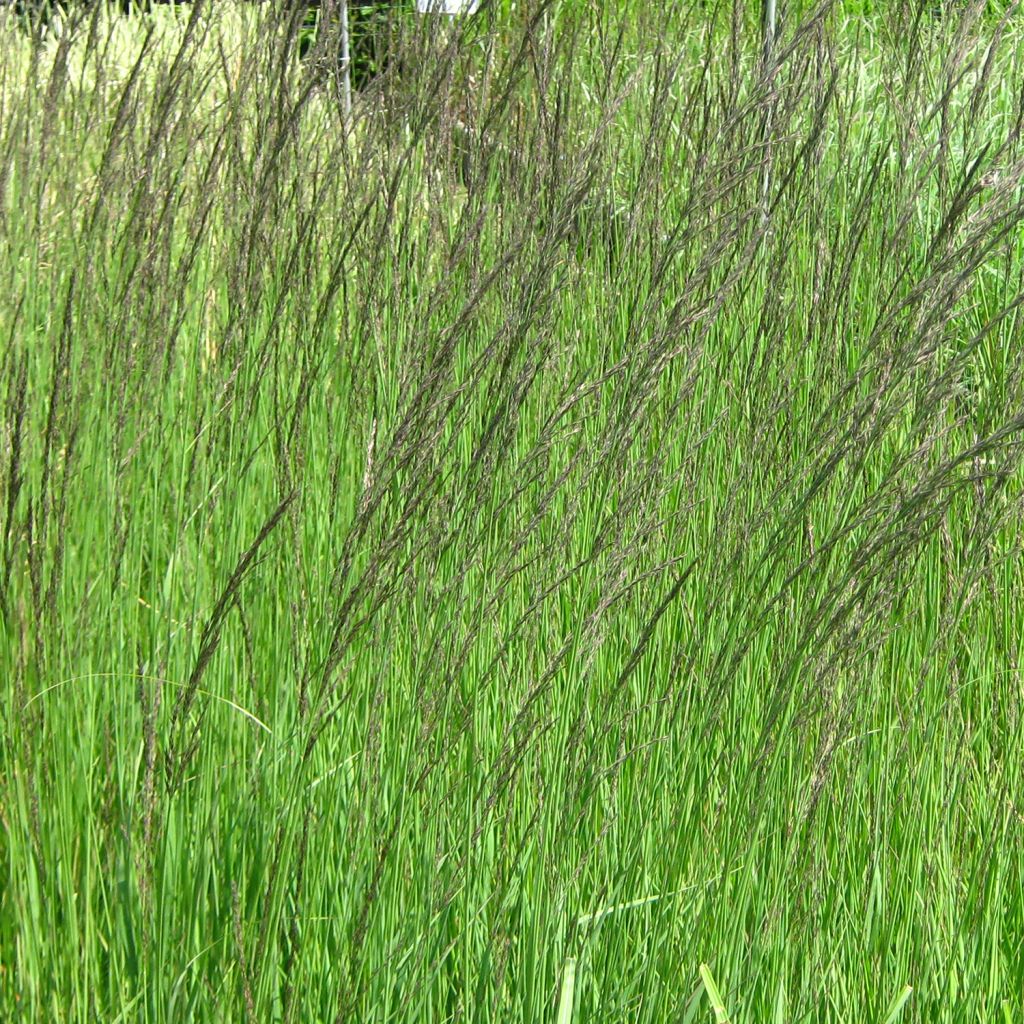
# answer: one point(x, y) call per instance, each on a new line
point(769, 46)
point(769, 30)
point(346, 63)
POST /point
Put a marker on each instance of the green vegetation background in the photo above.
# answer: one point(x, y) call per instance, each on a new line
point(484, 559)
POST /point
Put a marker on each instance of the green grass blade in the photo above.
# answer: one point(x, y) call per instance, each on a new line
point(717, 1003)
point(896, 1006)
point(568, 991)
point(780, 1003)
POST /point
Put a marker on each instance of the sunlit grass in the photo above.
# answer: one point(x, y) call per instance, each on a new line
point(474, 562)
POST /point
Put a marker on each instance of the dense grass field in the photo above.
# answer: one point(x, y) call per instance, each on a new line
point(546, 547)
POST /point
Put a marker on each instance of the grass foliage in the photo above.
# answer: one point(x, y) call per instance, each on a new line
point(546, 549)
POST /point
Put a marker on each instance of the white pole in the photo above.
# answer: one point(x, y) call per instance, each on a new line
point(769, 45)
point(346, 63)
point(769, 29)
point(451, 7)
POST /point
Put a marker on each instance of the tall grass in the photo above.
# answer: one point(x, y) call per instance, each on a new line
point(544, 548)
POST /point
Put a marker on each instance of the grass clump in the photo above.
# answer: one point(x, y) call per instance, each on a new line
point(543, 547)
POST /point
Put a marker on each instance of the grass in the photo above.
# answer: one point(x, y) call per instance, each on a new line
point(547, 549)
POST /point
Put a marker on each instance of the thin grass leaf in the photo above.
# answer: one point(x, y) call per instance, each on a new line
point(715, 997)
point(892, 1014)
point(568, 992)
